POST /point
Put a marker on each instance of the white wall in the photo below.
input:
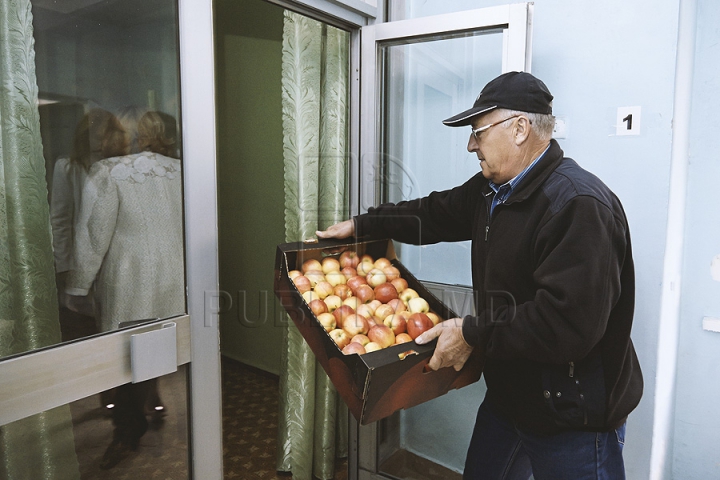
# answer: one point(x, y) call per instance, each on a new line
point(697, 423)
point(596, 57)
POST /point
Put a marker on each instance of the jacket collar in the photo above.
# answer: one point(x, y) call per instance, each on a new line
point(536, 176)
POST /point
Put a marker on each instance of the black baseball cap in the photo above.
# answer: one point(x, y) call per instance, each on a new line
point(513, 90)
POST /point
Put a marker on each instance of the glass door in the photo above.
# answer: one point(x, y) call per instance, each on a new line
point(415, 73)
point(111, 192)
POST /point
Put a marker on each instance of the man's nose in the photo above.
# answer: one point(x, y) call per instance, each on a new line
point(472, 145)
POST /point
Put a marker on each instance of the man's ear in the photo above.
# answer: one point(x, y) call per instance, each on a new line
point(522, 130)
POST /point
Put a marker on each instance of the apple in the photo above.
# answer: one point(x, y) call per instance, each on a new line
point(382, 262)
point(352, 302)
point(315, 277)
point(375, 304)
point(340, 337)
point(365, 310)
point(341, 313)
point(373, 321)
point(375, 277)
point(418, 304)
point(330, 264)
point(355, 324)
point(302, 283)
point(433, 317)
point(361, 339)
point(385, 292)
point(405, 314)
point(397, 305)
point(309, 296)
point(407, 294)
point(364, 267)
point(342, 291)
point(371, 347)
point(332, 302)
point(367, 259)
point(355, 282)
point(399, 283)
point(311, 264)
point(318, 307)
point(335, 278)
point(383, 311)
point(294, 273)
point(382, 335)
point(327, 320)
point(349, 272)
point(353, 347)
point(391, 273)
point(417, 324)
point(397, 323)
point(402, 338)
point(323, 289)
point(349, 258)
point(365, 293)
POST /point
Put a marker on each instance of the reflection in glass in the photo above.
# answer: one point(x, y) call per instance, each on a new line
point(424, 83)
point(162, 452)
point(107, 74)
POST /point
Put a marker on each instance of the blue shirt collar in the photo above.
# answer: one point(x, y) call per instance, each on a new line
point(502, 192)
point(513, 182)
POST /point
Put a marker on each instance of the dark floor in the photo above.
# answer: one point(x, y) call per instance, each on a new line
point(250, 413)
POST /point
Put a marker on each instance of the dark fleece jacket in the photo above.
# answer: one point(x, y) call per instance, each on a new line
point(554, 289)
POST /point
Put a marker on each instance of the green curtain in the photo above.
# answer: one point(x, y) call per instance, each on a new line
point(313, 421)
point(41, 446)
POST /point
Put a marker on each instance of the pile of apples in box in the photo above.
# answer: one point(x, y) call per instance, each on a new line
point(363, 304)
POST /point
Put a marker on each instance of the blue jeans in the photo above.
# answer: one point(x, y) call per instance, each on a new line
point(499, 451)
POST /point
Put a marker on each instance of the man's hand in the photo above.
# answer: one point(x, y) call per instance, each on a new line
point(451, 350)
point(339, 230)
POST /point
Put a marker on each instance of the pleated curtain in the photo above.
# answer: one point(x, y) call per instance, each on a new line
point(41, 446)
point(313, 420)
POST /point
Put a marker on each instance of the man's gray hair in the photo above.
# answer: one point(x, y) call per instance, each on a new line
point(542, 124)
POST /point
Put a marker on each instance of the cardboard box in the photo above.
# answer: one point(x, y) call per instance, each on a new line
point(376, 384)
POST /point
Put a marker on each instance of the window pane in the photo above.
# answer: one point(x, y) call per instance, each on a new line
point(108, 80)
point(430, 82)
point(406, 9)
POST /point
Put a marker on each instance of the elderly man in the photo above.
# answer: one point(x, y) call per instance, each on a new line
point(561, 371)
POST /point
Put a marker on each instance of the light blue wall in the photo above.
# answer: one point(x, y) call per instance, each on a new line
point(696, 452)
point(596, 57)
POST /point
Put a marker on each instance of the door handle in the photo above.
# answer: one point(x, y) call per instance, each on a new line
point(154, 354)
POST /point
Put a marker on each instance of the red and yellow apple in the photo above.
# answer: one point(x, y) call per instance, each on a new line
point(417, 324)
point(330, 264)
point(327, 320)
point(311, 264)
point(402, 338)
point(355, 324)
point(333, 302)
point(382, 335)
point(318, 307)
point(375, 277)
point(396, 322)
point(353, 347)
point(323, 289)
point(302, 283)
point(340, 337)
point(418, 305)
point(399, 283)
point(349, 258)
point(342, 291)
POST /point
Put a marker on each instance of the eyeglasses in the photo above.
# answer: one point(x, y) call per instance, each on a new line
point(477, 131)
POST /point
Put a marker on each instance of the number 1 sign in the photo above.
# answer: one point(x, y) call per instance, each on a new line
point(628, 121)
